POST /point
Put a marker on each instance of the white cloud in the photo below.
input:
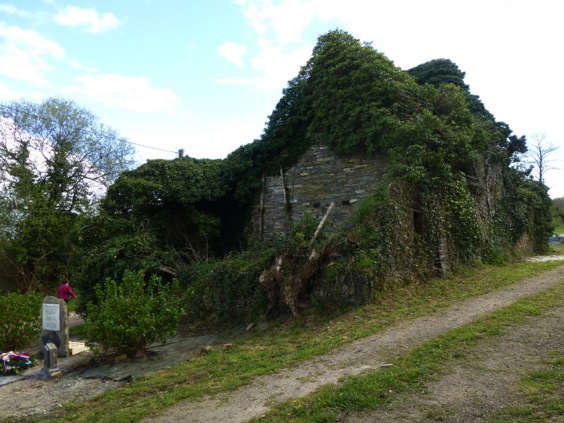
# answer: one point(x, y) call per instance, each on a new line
point(233, 52)
point(279, 29)
point(24, 54)
point(10, 9)
point(88, 19)
point(283, 23)
point(7, 93)
point(134, 94)
point(275, 68)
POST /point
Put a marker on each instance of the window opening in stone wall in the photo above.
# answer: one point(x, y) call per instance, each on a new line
point(417, 222)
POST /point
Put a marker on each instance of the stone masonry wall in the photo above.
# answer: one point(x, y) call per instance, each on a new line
point(317, 180)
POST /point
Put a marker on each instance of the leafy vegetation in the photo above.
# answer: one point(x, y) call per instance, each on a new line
point(130, 316)
point(226, 290)
point(21, 322)
point(452, 194)
point(557, 212)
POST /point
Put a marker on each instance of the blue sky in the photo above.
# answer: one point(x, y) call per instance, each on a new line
point(205, 75)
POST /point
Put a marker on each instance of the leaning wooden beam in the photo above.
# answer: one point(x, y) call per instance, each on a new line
point(283, 186)
point(168, 270)
point(320, 226)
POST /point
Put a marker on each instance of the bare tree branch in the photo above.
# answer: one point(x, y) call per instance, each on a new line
point(540, 155)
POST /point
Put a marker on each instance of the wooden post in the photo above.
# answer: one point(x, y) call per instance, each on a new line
point(283, 186)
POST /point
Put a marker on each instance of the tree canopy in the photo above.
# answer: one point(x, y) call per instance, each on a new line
point(437, 72)
point(56, 161)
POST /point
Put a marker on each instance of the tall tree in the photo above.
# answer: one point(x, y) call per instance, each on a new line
point(540, 155)
point(56, 161)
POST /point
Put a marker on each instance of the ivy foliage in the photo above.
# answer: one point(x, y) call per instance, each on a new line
point(450, 195)
point(226, 290)
point(346, 96)
point(171, 196)
point(558, 210)
point(154, 218)
point(448, 159)
point(443, 71)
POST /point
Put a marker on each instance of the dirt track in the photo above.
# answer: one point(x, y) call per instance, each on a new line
point(483, 383)
point(39, 397)
point(368, 353)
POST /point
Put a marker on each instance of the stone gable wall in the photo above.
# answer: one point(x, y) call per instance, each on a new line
point(317, 180)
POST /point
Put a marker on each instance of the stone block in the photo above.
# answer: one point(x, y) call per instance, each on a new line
point(54, 325)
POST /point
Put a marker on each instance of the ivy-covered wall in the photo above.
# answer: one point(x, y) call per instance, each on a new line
point(320, 178)
point(317, 180)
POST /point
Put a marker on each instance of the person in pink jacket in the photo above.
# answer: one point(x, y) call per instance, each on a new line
point(65, 291)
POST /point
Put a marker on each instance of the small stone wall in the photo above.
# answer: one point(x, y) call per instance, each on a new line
point(317, 180)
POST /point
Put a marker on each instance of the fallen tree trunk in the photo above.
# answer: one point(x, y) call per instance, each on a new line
point(287, 285)
point(272, 279)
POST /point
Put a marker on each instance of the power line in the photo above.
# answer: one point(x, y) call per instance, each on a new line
point(16, 110)
point(153, 148)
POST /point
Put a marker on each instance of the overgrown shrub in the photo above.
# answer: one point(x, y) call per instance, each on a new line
point(21, 320)
point(387, 246)
point(131, 315)
point(347, 282)
point(228, 291)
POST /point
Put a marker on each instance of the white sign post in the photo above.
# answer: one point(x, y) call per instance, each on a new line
point(51, 317)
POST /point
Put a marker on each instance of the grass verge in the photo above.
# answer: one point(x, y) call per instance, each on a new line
point(287, 344)
point(426, 362)
point(559, 230)
point(543, 395)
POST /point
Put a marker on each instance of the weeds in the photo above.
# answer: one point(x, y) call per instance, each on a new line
point(543, 393)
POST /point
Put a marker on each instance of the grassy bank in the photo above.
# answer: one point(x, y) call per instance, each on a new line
point(288, 343)
point(430, 360)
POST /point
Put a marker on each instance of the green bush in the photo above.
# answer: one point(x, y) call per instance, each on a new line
point(130, 316)
point(21, 320)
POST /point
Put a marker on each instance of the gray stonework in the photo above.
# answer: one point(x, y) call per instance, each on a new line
point(317, 180)
point(54, 325)
point(321, 178)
